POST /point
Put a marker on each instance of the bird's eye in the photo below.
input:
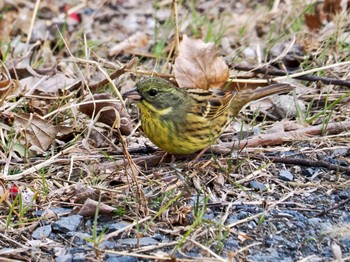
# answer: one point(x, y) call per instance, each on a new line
point(152, 92)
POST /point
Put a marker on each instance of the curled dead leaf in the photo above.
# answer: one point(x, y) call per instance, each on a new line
point(199, 66)
point(7, 88)
point(111, 113)
point(90, 206)
point(324, 12)
point(137, 40)
point(52, 84)
point(38, 133)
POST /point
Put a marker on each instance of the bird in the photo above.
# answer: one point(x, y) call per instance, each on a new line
point(187, 120)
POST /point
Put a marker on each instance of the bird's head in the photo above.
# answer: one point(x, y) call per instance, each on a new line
point(157, 95)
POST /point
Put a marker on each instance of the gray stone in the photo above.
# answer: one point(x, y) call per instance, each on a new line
point(257, 185)
point(64, 258)
point(286, 175)
point(117, 226)
point(66, 224)
point(42, 232)
point(145, 241)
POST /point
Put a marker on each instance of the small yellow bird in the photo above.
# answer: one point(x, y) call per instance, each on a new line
point(186, 120)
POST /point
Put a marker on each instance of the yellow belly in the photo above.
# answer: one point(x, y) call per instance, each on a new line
point(192, 135)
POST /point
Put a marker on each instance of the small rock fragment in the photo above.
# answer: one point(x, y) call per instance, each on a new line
point(286, 106)
point(286, 175)
point(42, 232)
point(66, 224)
point(257, 185)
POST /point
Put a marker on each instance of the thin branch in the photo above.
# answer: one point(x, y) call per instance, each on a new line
point(310, 163)
point(342, 203)
point(117, 73)
point(282, 137)
point(277, 72)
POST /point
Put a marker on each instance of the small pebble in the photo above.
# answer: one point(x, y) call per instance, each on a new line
point(80, 257)
point(286, 175)
point(231, 244)
point(145, 241)
point(257, 185)
point(60, 210)
point(117, 258)
point(315, 221)
point(42, 232)
point(66, 224)
point(107, 245)
point(285, 106)
point(117, 226)
point(64, 258)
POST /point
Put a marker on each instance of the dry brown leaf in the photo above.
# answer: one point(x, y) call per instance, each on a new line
point(9, 87)
point(3, 193)
point(137, 40)
point(90, 206)
point(199, 66)
point(316, 20)
point(7, 23)
point(5, 87)
point(77, 193)
point(325, 12)
point(111, 113)
point(51, 85)
point(38, 132)
point(332, 7)
point(242, 237)
point(84, 192)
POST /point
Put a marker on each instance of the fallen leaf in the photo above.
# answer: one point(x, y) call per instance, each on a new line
point(38, 132)
point(90, 206)
point(325, 12)
point(199, 66)
point(332, 7)
point(52, 84)
point(137, 40)
point(110, 113)
point(9, 87)
point(7, 23)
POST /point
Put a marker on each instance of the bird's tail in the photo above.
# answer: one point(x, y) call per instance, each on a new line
point(245, 97)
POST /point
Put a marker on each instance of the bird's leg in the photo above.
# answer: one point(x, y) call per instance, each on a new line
point(200, 154)
point(164, 158)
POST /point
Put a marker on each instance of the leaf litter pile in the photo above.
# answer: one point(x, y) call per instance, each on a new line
point(80, 181)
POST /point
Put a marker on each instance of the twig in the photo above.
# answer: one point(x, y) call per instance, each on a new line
point(165, 257)
point(248, 247)
point(342, 203)
point(116, 233)
point(208, 250)
point(117, 73)
point(11, 240)
point(140, 196)
point(35, 12)
point(277, 72)
point(153, 247)
point(308, 162)
point(282, 137)
point(35, 168)
point(247, 219)
point(176, 20)
point(12, 251)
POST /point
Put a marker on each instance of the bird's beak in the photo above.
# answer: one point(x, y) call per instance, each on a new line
point(132, 94)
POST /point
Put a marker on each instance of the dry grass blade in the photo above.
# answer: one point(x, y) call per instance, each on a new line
point(118, 232)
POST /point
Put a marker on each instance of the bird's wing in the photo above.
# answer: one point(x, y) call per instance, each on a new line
point(209, 103)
